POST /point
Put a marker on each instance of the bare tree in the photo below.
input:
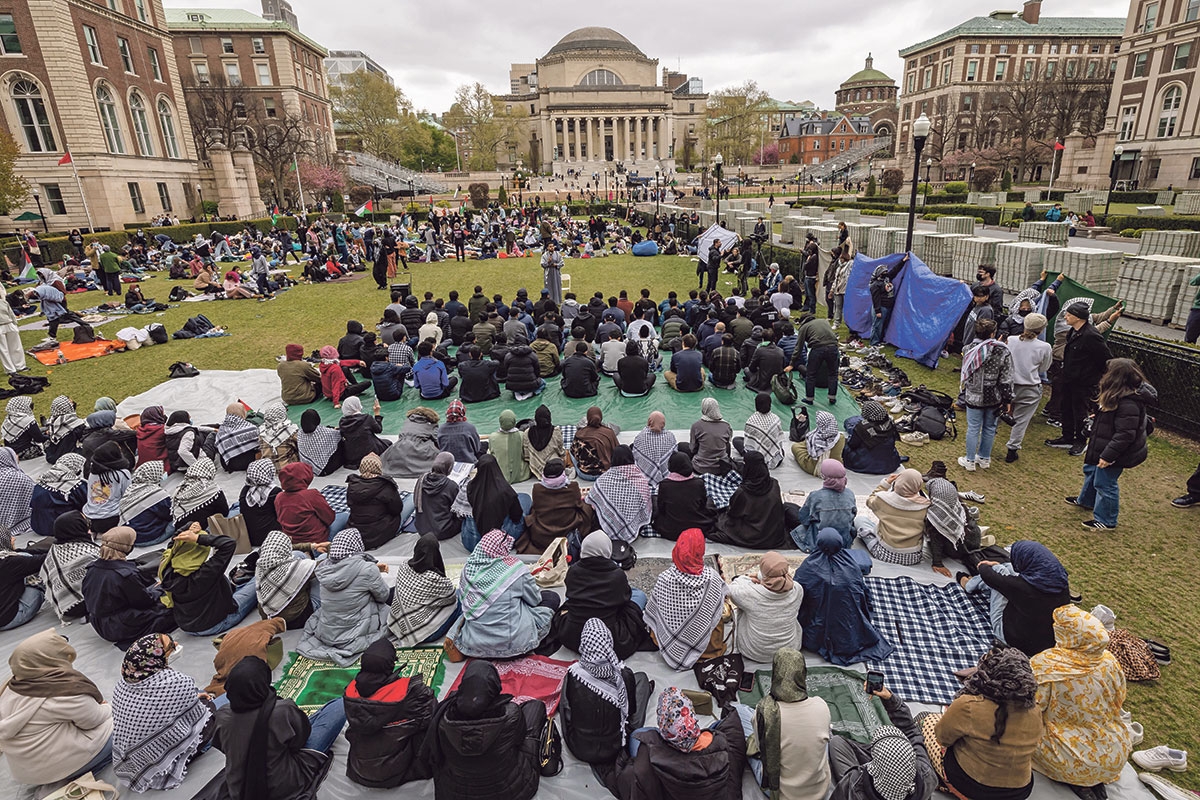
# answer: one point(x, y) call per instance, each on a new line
point(490, 126)
point(737, 119)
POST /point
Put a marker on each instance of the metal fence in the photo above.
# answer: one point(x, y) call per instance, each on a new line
point(1174, 370)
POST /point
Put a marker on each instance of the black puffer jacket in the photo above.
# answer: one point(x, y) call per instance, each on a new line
point(359, 437)
point(521, 370)
point(494, 758)
point(1085, 356)
point(375, 507)
point(1119, 436)
point(386, 737)
point(597, 587)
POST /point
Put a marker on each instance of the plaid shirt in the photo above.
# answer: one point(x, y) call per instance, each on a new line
point(724, 363)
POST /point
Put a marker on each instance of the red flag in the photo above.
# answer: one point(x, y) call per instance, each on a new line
point(65, 159)
point(1059, 146)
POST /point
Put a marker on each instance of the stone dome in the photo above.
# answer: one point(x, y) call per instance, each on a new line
point(593, 38)
point(868, 76)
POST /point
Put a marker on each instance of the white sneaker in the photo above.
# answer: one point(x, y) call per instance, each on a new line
point(1165, 788)
point(915, 438)
point(984, 463)
point(1162, 757)
point(1126, 716)
point(1136, 731)
point(969, 466)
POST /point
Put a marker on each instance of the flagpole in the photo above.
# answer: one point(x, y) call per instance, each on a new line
point(82, 196)
point(300, 186)
point(1053, 167)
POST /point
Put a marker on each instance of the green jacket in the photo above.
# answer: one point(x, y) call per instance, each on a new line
point(1196, 300)
point(110, 261)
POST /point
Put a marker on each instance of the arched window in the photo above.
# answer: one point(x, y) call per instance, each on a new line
point(31, 111)
point(601, 77)
point(109, 120)
point(1169, 115)
point(141, 125)
point(166, 122)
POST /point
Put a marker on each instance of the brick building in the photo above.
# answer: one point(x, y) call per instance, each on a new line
point(870, 93)
point(815, 140)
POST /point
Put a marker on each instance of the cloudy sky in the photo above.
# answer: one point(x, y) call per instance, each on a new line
point(796, 51)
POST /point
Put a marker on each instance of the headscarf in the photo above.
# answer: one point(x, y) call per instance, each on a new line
point(456, 412)
point(1005, 677)
point(260, 480)
point(235, 435)
point(145, 490)
point(789, 684)
point(653, 447)
point(595, 417)
point(185, 558)
point(946, 513)
point(278, 576)
point(443, 462)
point(105, 404)
point(873, 411)
point(116, 543)
point(542, 429)
point(508, 419)
point(773, 573)
point(317, 443)
point(427, 556)
point(489, 571)
point(63, 419)
point(893, 764)
point(490, 495)
point(677, 723)
point(756, 477)
point(823, 436)
point(100, 419)
point(679, 467)
point(1080, 647)
point(64, 475)
point(478, 693)
point(277, 428)
point(1025, 295)
point(1040, 568)
point(599, 669)
point(906, 488)
point(688, 553)
point(42, 667)
point(154, 415)
point(596, 544)
point(370, 466)
point(710, 410)
point(422, 590)
point(686, 603)
point(249, 689)
point(621, 497)
point(351, 406)
point(348, 542)
point(198, 488)
point(144, 658)
point(833, 475)
point(377, 668)
point(18, 418)
point(1107, 617)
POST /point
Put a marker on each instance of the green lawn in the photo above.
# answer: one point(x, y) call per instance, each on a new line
point(1142, 570)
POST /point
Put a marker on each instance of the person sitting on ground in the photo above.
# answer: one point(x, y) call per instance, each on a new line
point(337, 376)
point(479, 381)
point(950, 529)
point(871, 441)
point(521, 372)
point(597, 588)
point(580, 375)
point(687, 612)
point(145, 507)
point(1080, 692)
point(304, 514)
point(55, 724)
point(434, 496)
point(387, 378)
point(360, 432)
point(622, 497)
point(300, 380)
point(1023, 595)
point(724, 363)
point(767, 362)
point(66, 564)
point(710, 439)
point(541, 442)
point(107, 475)
point(199, 497)
point(493, 503)
point(21, 590)
point(122, 602)
point(260, 639)
point(504, 613)
point(430, 330)
point(376, 508)
point(319, 446)
point(187, 442)
point(192, 576)
point(556, 509)
point(652, 448)
point(151, 436)
point(64, 429)
point(896, 766)
point(387, 719)
point(425, 602)
point(459, 437)
point(416, 446)
point(257, 501)
point(483, 745)
point(430, 376)
point(687, 367)
point(633, 377)
point(103, 426)
point(547, 354)
point(992, 729)
point(507, 445)
point(763, 433)
point(754, 517)
point(593, 447)
point(237, 440)
point(59, 489)
point(766, 603)
point(682, 501)
point(835, 613)
point(277, 436)
point(823, 441)
point(284, 579)
point(793, 731)
point(896, 532)
point(354, 601)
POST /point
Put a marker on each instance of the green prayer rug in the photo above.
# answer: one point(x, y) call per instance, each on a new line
point(312, 684)
point(853, 713)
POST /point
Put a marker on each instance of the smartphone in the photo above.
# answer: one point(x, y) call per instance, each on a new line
point(874, 681)
point(747, 684)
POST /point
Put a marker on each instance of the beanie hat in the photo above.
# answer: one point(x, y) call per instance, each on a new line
point(1078, 309)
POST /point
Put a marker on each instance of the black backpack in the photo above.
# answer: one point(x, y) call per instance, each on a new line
point(935, 422)
point(798, 428)
point(158, 334)
point(83, 334)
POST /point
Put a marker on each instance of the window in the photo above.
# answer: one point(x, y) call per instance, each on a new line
point(816, 144)
point(135, 197)
point(1028, 67)
point(1093, 69)
point(1183, 54)
point(264, 74)
point(54, 198)
point(1051, 68)
point(1169, 111)
point(948, 52)
point(140, 5)
point(299, 76)
point(1001, 69)
point(1195, 173)
point(141, 125)
point(1072, 67)
point(912, 82)
point(1053, 49)
point(1031, 49)
point(1097, 48)
point(258, 46)
point(1151, 18)
point(945, 73)
point(907, 112)
point(126, 55)
point(155, 66)
point(1074, 49)
point(974, 49)
point(1003, 49)
point(93, 45)
point(1193, 11)
point(112, 5)
point(166, 123)
point(227, 46)
point(31, 111)
point(201, 69)
point(968, 102)
point(269, 107)
point(195, 45)
point(164, 196)
point(109, 120)
point(601, 77)
point(972, 68)
point(10, 43)
point(1139, 65)
point(233, 74)
point(1153, 166)
point(927, 81)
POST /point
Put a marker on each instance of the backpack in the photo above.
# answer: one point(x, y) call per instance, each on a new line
point(935, 422)
point(585, 457)
point(157, 333)
point(798, 428)
point(178, 294)
point(181, 369)
point(83, 334)
point(784, 389)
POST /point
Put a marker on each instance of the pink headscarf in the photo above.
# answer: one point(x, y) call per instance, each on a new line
point(833, 473)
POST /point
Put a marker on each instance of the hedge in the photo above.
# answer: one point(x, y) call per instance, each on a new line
point(1119, 222)
point(990, 216)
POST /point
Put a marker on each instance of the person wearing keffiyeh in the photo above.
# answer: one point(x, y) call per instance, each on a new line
point(319, 446)
point(895, 766)
point(198, 497)
point(277, 436)
point(353, 603)
point(687, 604)
point(764, 432)
point(237, 439)
point(66, 563)
point(871, 441)
point(601, 701)
point(283, 579)
point(64, 429)
point(257, 500)
point(621, 497)
point(652, 447)
point(949, 529)
point(145, 507)
point(823, 441)
point(58, 490)
point(895, 533)
point(20, 429)
point(425, 603)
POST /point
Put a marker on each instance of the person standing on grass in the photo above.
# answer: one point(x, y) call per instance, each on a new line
point(1031, 358)
point(986, 389)
point(552, 264)
point(883, 298)
point(1084, 359)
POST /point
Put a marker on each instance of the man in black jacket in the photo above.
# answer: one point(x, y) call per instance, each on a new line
point(1084, 360)
point(883, 297)
point(812, 267)
point(633, 377)
point(478, 378)
point(580, 376)
point(765, 364)
point(816, 350)
point(714, 264)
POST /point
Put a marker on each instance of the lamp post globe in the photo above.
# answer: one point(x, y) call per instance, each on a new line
point(921, 128)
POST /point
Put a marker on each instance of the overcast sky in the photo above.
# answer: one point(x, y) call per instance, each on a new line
point(795, 51)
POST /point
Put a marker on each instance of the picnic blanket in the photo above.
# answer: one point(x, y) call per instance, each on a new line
point(312, 684)
point(68, 351)
point(852, 712)
point(720, 489)
point(935, 629)
point(335, 495)
point(529, 678)
point(646, 571)
point(747, 564)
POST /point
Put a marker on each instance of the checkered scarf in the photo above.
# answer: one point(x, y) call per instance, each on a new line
point(260, 480)
point(199, 486)
point(822, 437)
point(348, 542)
point(63, 572)
point(946, 513)
point(145, 490)
point(278, 576)
point(18, 418)
point(765, 433)
point(276, 428)
point(318, 447)
point(621, 498)
point(16, 489)
point(651, 450)
point(683, 611)
point(419, 598)
point(63, 419)
point(490, 570)
point(599, 669)
point(235, 436)
point(64, 476)
point(893, 764)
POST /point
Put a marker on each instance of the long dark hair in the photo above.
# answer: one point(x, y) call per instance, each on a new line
point(1005, 677)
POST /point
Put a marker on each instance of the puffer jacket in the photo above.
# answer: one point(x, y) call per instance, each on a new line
point(1119, 436)
point(495, 758)
point(375, 509)
point(386, 735)
point(547, 355)
point(522, 370)
point(353, 596)
point(662, 772)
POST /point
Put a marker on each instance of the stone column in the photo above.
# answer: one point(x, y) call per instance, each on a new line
point(662, 137)
point(546, 153)
point(243, 160)
point(578, 139)
point(638, 137)
point(591, 141)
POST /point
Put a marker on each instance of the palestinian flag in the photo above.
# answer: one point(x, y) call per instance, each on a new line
point(275, 215)
point(366, 208)
point(28, 273)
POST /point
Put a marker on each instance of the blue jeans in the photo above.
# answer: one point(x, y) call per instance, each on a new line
point(471, 535)
point(408, 514)
point(996, 601)
point(246, 600)
point(1101, 493)
point(639, 597)
point(810, 293)
point(28, 605)
point(981, 432)
point(102, 760)
point(326, 724)
point(314, 587)
point(166, 534)
point(879, 325)
point(340, 520)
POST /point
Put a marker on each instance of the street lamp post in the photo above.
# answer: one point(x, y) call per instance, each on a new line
point(1112, 178)
point(921, 129)
point(799, 176)
point(520, 183)
point(928, 167)
point(657, 178)
point(37, 196)
point(832, 178)
point(717, 162)
point(200, 194)
point(971, 178)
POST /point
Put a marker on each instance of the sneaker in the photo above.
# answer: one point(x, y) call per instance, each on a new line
point(1162, 757)
point(1077, 450)
point(984, 463)
point(808, 401)
point(916, 438)
point(1165, 788)
point(1095, 525)
point(973, 496)
point(1061, 443)
point(969, 466)
point(1054, 423)
point(1186, 501)
point(1073, 500)
point(987, 541)
point(1012, 456)
point(1136, 732)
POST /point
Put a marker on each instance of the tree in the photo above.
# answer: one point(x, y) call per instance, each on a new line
point(737, 119)
point(768, 155)
point(372, 113)
point(984, 178)
point(893, 180)
point(13, 188)
point(489, 126)
point(478, 192)
point(425, 143)
point(320, 179)
point(872, 187)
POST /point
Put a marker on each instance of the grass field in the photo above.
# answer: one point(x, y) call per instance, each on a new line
point(1143, 570)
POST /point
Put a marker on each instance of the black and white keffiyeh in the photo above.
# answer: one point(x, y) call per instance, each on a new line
point(893, 764)
point(16, 489)
point(198, 487)
point(18, 418)
point(651, 449)
point(64, 476)
point(764, 433)
point(276, 428)
point(946, 513)
point(621, 497)
point(63, 571)
point(144, 492)
point(424, 599)
point(318, 447)
point(235, 436)
point(63, 419)
point(683, 611)
point(823, 436)
point(348, 542)
point(599, 669)
point(279, 576)
point(158, 725)
point(260, 480)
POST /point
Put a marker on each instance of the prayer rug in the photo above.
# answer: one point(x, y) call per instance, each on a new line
point(747, 564)
point(312, 684)
point(646, 571)
point(935, 629)
point(68, 351)
point(529, 678)
point(852, 712)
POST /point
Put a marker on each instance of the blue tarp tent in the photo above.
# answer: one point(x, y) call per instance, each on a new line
point(927, 307)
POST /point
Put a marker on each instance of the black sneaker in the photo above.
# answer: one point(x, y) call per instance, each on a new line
point(1078, 449)
point(1061, 443)
point(1054, 423)
point(1187, 501)
point(1073, 500)
point(808, 401)
point(1012, 456)
point(1094, 525)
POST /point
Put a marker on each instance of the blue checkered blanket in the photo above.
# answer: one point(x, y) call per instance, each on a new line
point(336, 497)
point(720, 490)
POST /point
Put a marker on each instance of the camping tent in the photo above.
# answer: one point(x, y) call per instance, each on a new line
point(726, 237)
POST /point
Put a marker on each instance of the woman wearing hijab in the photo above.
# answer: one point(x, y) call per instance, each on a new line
point(896, 766)
point(621, 497)
point(388, 717)
point(950, 529)
point(303, 513)
point(284, 579)
point(504, 613)
point(21, 590)
point(824, 441)
point(434, 496)
point(151, 436)
point(493, 504)
point(653, 447)
point(897, 534)
point(416, 446)
point(754, 518)
point(603, 701)
point(272, 750)
point(145, 507)
point(992, 730)
point(103, 426)
point(763, 432)
point(107, 475)
point(686, 610)
point(187, 442)
point(481, 744)
point(237, 439)
point(123, 604)
point(507, 445)
point(277, 436)
point(793, 731)
point(871, 446)
point(836, 612)
point(541, 442)
point(20, 429)
point(160, 719)
point(682, 502)
point(593, 447)
point(598, 589)
point(1080, 692)
point(257, 500)
point(198, 497)
point(192, 575)
point(459, 437)
point(337, 381)
point(67, 560)
point(765, 608)
point(710, 438)
point(64, 429)
point(353, 603)
point(679, 760)
point(425, 603)
point(319, 446)
point(831, 506)
point(557, 508)
point(59, 489)
point(376, 508)
point(54, 723)
point(360, 432)
point(1023, 595)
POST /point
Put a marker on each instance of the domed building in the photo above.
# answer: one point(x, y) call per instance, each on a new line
point(595, 101)
point(870, 93)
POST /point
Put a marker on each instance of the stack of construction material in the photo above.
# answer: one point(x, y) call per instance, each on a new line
point(794, 227)
point(1054, 233)
point(1151, 211)
point(1098, 270)
point(848, 198)
point(827, 238)
point(707, 218)
point(757, 206)
point(894, 220)
point(1170, 243)
point(1150, 285)
point(846, 214)
point(1188, 203)
point(938, 251)
point(859, 231)
point(813, 211)
point(988, 201)
point(779, 211)
point(1187, 296)
point(1079, 203)
point(1001, 198)
point(1020, 264)
point(969, 253)
point(879, 242)
point(1099, 196)
point(1033, 195)
point(973, 198)
point(1166, 197)
point(735, 205)
point(744, 226)
point(956, 225)
point(918, 245)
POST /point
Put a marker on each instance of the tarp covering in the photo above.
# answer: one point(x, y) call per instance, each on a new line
point(726, 237)
point(206, 396)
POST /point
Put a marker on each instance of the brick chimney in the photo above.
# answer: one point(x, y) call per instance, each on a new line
point(1032, 12)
